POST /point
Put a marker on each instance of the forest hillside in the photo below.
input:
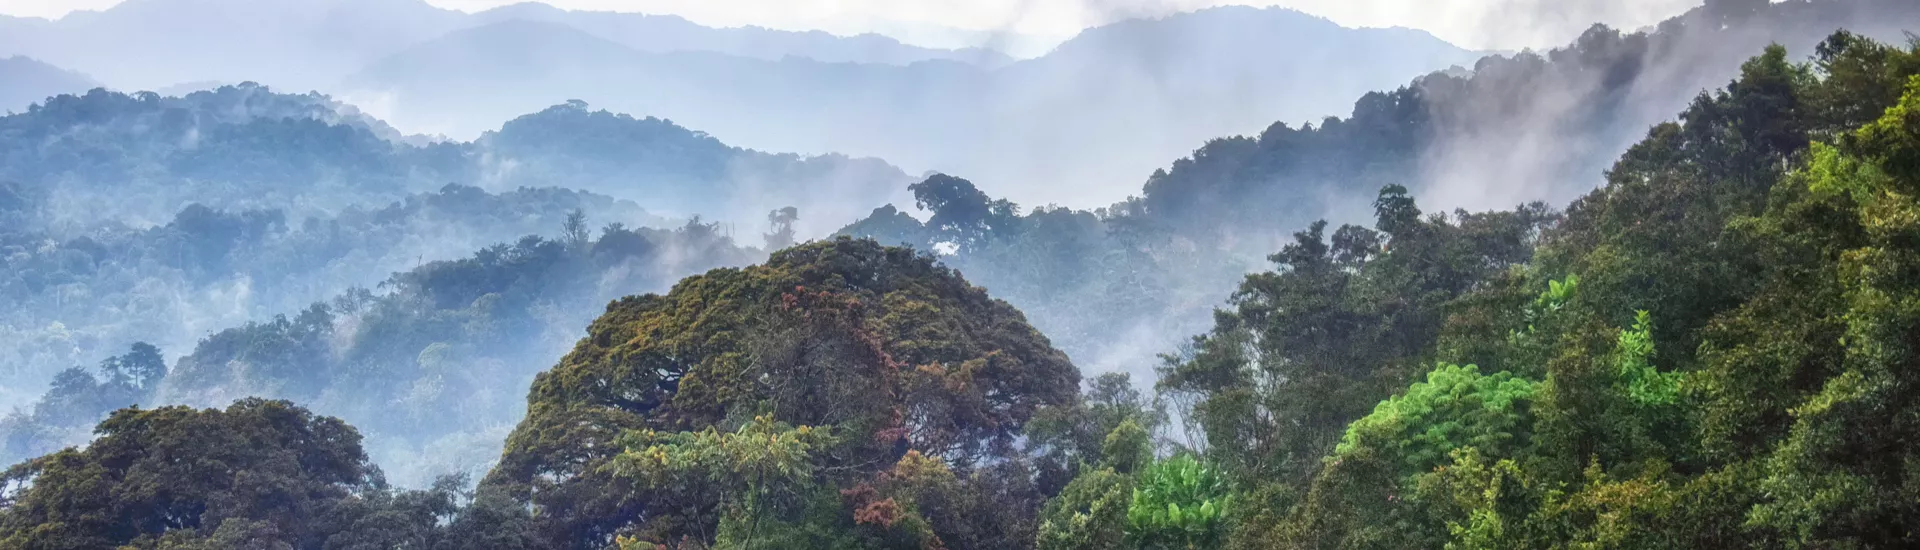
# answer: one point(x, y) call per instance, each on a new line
point(244, 319)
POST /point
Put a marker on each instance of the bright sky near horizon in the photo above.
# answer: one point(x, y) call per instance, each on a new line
point(1480, 24)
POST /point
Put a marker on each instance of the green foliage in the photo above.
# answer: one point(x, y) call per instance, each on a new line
point(887, 350)
point(1089, 514)
point(1455, 407)
point(1179, 503)
point(747, 473)
point(435, 353)
point(1110, 426)
point(258, 475)
point(1769, 267)
point(1559, 293)
point(67, 297)
point(849, 395)
point(1271, 183)
point(264, 472)
point(1476, 496)
point(1127, 447)
point(1377, 489)
point(1777, 273)
point(1828, 482)
point(963, 216)
point(1643, 384)
point(78, 399)
point(759, 454)
point(169, 219)
point(1339, 326)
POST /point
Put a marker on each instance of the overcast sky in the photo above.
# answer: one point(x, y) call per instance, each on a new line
point(1480, 24)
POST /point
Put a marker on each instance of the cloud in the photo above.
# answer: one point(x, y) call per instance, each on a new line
point(1480, 24)
point(51, 8)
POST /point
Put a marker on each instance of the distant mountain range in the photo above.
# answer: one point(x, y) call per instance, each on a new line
point(311, 44)
point(108, 157)
point(26, 81)
point(670, 33)
point(1083, 124)
point(151, 44)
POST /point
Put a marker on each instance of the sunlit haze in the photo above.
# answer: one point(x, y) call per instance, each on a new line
point(1478, 24)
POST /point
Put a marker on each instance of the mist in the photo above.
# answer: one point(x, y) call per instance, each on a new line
point(402, 214)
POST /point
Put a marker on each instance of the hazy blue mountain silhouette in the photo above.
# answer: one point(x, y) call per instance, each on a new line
point(1104, 108)
point(24, 81)
point(669, 33)
point(311, 44)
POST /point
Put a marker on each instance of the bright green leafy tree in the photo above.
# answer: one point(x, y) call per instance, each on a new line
point(1179, 503)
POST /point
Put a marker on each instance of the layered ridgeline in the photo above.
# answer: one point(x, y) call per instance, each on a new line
point(73, 297)
point(1020, 130)
point(1083, 124)
point(1512, 129)
point(1114, 286)
point(148, 218)
point(1104, 108)
point(842, 395)
point(312, 44)
point(1685, 358)
point(681, 172)
point(140, 218)
point(24, 81)
point(235, 147)
point(430, 362)
point(247, 147)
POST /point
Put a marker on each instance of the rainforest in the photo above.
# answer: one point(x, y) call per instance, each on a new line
point(412, 275)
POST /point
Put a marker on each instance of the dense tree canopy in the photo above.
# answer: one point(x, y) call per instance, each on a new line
point(430, 363)
point(1686, 360)
point(141, 217)
point(1715, 348)
point(1530, 126)
point(174, 477)
point(889, 353)
point(259, 474)
point(1344, 323)
point(1510, 129)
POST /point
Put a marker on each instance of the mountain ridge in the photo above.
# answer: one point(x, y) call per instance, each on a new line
point(1147, 94)
point(151, 44)
point(25, 81)
point(665, 32)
